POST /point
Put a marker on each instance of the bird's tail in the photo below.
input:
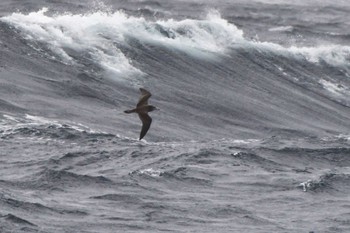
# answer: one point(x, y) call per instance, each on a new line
point(130, 111)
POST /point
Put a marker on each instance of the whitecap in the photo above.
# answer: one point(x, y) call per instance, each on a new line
point(93, 34)
point(306, 185)
point(99, 35)
point(333, 87)
point(150, 172)
point(281, 29)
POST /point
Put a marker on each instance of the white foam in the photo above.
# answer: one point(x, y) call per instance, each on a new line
point(344, 137)
point(333, 87)
point(99, 34)
point(93, 34)
point(150, 172)
point(11, 118)
point(237, 141)
point(10, 124)
point(36, 120)
point(306, 185)
point(281, 29)
point(212, 34)
point(336, 55)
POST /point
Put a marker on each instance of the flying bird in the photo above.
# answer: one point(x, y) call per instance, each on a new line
point(142, 109)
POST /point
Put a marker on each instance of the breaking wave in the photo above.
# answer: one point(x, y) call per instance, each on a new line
point(102, 37)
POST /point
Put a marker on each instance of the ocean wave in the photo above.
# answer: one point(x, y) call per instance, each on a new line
point(329, 182)
point(87, 35)
point(254, 160)
point(189, 176)
point(101, 32)
point(60, 180)
point(104, 36)
point(331, 54)
point(46, 129)
point(11, 203)
point(186, 175)
point(148, 172)
point(124, 198)
point(282, 29)
point(17, 220)
point(9, 107)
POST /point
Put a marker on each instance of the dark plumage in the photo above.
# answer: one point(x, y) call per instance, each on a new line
point(142, 109)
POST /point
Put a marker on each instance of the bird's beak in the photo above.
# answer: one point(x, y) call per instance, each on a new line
point(158, 109)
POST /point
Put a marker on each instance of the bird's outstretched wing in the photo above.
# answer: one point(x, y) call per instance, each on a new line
point(144, 97)
point(146, 123)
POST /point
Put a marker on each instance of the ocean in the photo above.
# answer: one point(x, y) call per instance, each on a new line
point(253, 132)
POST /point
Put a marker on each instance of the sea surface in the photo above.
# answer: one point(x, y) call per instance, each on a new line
point(253, 134)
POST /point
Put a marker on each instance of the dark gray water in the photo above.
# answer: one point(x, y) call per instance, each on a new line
point(252, 136)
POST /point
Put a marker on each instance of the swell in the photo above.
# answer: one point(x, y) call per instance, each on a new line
point(10, 204)
point(6, 106)
point(213, 34)
point(252, 88)
point(60, 180)
point(17, 126)
point(312, 157)
point(16, 220)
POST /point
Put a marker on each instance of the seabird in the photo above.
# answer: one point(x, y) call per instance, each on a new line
point(142, 109)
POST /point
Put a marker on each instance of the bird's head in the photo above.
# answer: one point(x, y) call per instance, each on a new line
point(152, 108)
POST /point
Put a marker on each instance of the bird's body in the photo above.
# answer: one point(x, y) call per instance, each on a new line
point(142, 109)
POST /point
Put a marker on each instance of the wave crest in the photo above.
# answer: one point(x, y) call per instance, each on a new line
point(105, 37)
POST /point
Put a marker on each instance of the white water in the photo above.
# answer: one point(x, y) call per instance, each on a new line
point(98, 35)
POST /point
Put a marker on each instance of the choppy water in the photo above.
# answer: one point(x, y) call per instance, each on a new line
point(252, 136)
